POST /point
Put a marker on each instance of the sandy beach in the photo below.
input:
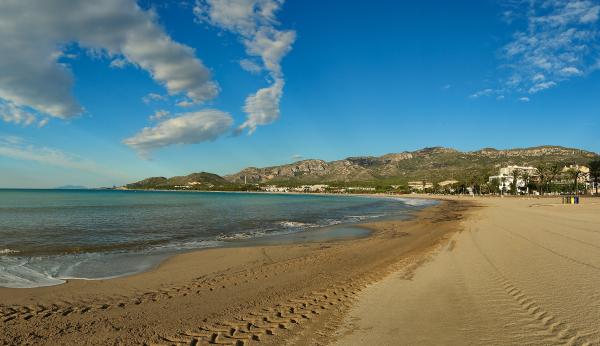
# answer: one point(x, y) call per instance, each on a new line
point(522, 272)
point(294, 294)
point(467, 271)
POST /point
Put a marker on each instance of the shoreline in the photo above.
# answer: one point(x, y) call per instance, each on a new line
point(145, 260)
point(205, 289)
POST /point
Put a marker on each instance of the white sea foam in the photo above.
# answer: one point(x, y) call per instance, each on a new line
point(18, 273)
point(295, 224)
point(281, 228)
point(38, 271)
point(189, 245)
point(8, 251)
point(416, 202)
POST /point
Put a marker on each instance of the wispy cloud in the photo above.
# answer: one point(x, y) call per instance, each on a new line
point(119, 63)
point(153, 97)
point(186, 128)
point(480, 93)
point(11, 113)
point(250, 66)
point(255, 21)
point(33, 38)
point(556, 40)
point(159, 114)
point(18, 148)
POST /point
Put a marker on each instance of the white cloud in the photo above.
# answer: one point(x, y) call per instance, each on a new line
point(591, 15)
point(118, 63)
point(43, 122)
point(570, 71)
point(250, 66)
point(33, 35)
point(186, 128)
point(557, 43)
point(524, 99)
point(240, 16)
point(271, 45)
point(18, 148)
point(480, 93)
point(541, 86)
point(152, 97)
point(159, 114)
point(185, 103)
point(255, 22)
point(11, 113)
point(262, 107)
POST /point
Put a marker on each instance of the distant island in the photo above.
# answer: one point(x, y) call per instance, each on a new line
point(435, 169)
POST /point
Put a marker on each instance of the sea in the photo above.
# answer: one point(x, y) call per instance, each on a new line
point(50, 236)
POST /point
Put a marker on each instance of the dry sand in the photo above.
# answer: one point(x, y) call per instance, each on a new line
point(523, 272)
point(292, 294)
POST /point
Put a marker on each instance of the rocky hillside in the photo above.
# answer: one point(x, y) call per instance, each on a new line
point(195, 181)
point(434, 164)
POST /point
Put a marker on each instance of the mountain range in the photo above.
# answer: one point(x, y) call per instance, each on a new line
point(431, 164)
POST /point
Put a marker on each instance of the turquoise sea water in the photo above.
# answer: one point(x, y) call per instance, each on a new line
point(47, 236)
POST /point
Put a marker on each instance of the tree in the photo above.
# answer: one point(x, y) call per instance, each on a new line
point(595, 173)
point(525, 178)
point(515, 186)
point(553, 171)
point(503, 181)
point(542, 172)
point(494, 186)
point(574, 174)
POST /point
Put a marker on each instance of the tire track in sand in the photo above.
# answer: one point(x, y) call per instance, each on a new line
point(537, 318)
point(256, 326)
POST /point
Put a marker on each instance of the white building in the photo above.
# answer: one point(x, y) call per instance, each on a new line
point(506, 178)
point(508, 170)
point(584, 173)
point(448, 185)
point(420, 185)
point(274, 188)
point(360, 188)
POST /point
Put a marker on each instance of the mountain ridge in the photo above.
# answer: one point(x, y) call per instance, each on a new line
point(431, 163)
point(411, 164)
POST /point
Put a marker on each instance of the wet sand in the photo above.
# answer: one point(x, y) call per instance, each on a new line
point(264, 294)
point(523, 272)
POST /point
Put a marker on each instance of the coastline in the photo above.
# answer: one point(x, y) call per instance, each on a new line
point(139, 260)
point(217, 285)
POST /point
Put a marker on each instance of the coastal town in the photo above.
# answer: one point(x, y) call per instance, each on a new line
point(510, 180)
point(549, 179)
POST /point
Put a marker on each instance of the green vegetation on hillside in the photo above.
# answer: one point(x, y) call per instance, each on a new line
point(391, 172)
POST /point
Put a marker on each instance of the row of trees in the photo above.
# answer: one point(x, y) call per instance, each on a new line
point(550, 179)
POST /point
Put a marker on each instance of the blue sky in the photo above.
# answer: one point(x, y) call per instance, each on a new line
point(321, 80)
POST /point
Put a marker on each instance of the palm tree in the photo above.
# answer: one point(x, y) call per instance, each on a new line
point(553, 171)
point(542, 169)
point(515, 186)
point(574, 174)
point(494, 186)
point(595, 172)
point(525, 178)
